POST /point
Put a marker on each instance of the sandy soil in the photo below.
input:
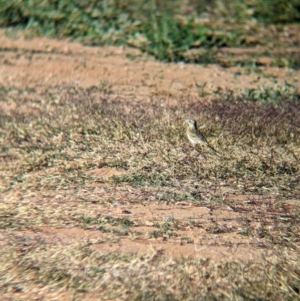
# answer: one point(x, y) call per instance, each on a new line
point(44, 62)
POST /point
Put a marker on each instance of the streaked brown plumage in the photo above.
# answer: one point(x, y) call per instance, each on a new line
point(195, 136)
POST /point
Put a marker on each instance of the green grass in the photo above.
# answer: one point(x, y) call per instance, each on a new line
point(51, 140)
point(168, 30)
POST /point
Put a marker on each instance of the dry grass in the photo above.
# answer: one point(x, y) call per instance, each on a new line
point(52, 139)
point(83, 273)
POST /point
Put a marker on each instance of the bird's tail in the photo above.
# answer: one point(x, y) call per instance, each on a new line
point(215, 152)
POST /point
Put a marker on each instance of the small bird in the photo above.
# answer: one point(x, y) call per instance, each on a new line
point(195, 136)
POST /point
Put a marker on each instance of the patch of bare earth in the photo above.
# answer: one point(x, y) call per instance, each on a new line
point(85, 196)
point(44, 62)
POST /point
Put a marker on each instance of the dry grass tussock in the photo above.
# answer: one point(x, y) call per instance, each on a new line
point(52, 139)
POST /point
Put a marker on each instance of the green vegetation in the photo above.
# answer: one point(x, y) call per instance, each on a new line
point(87, 177)
point(168, 30)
